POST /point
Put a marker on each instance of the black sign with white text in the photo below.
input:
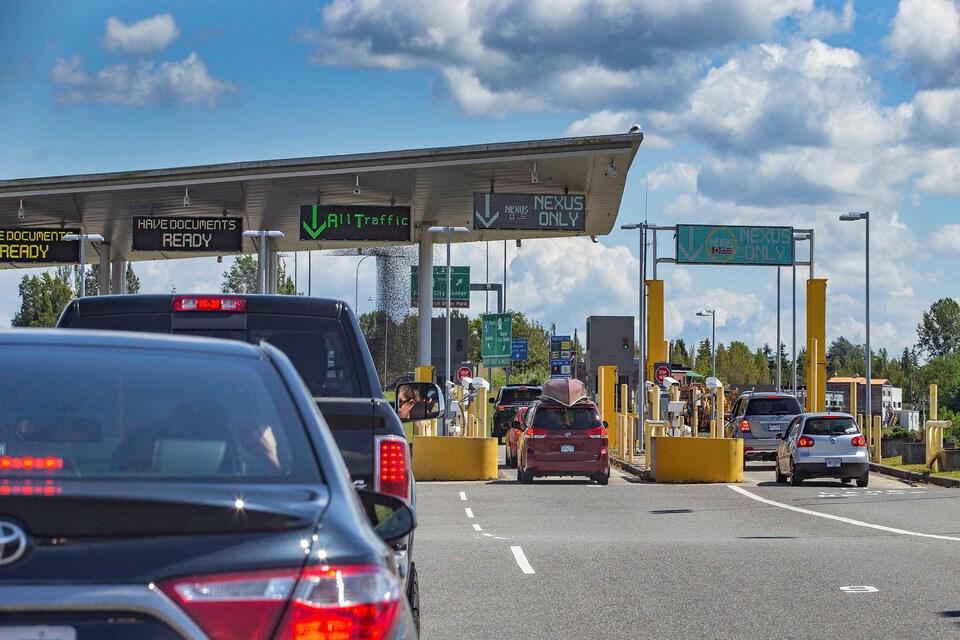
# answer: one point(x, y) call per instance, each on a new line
point(39, 245)
point(530, 212)
point(181, 233)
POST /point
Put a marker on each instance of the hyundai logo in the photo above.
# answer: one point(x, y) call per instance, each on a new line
point(13, 542)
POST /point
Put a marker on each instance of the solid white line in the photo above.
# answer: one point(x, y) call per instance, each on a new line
point(858, 523)
point(463, 496)
point(469, 512)
point(477, 527)
point(521, 560)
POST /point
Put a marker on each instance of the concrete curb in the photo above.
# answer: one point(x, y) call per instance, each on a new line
point(895, 472)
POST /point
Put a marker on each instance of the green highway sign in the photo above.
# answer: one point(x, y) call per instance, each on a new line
point(497, 339)
point(459, 287)
point(707, 244)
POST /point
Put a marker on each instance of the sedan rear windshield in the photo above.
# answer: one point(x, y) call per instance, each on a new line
point(519, 396)
point(560, 418)
point(773, 406)
point(830, 427)
point(148, 415)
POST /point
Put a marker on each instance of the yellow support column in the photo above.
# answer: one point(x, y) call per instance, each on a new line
point(877, 438)
point(853, 398)
point(655, 344)
point(606, 395)
point(816, 333)
point(933, 402)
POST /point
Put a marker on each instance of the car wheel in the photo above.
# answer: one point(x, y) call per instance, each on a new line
point(795, 478)
point(519, 472)
point(846, 480)
point(413, 596)
point(526, 477)
point(744, 463)
point(602, 478)
point(781, 478)
point(864, 479)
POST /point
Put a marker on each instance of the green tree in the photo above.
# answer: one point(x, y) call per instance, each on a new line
point(243, 276)
point(42, 298)
point(92, 276)
point(944, 371)
point(939, 331)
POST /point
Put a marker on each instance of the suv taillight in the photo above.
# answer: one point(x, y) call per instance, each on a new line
point(805, 441)
point(597, 432)
point(325, 603)
point(233, 304)
point(534, 432)
point(858, 441)
point(392, 472)
point(745, 425)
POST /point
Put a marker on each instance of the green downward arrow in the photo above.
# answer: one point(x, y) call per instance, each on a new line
point(314, 230)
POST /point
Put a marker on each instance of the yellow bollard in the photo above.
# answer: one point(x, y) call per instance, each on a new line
point(606, 391)
point(877, 439)
point(853, 399)
point(933, 436)
point(933, 402)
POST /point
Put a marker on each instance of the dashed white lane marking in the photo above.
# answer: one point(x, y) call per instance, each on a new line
point(469, 512)
point(463, 496)
point(477, 527)
point(828, 516)
point(521, 560)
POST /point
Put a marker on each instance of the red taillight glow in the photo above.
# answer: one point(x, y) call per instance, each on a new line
point(858, 441)
point(326, 603)
point(31, 463)
point(392, 473)
point(534, 432)
point(805, 441)
point(500, 407)
point(597, 432)
point(745, 425)
point(210, 303)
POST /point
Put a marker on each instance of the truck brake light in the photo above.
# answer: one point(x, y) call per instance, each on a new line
point(233, 304)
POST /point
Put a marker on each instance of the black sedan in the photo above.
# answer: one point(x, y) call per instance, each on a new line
point(163, 488)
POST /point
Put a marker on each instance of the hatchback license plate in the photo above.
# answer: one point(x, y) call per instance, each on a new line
point(773, 426)
point(38, 632)
point(564, 448)
point(833, 462)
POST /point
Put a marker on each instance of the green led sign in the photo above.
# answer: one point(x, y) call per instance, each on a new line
point(361, 222)
point(707, 244)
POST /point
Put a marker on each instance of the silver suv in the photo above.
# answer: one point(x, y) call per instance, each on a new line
point(758, 418)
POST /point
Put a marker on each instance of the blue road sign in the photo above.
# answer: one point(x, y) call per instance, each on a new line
point(518, 350)
point(560, 356)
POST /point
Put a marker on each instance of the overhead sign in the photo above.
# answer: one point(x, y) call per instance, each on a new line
point(360, 222)
point(459, 287)
point(497, 339)
point(187, 233)
point(560, 356)
point(518, 350)
point(706, 244)
point(39, 245)
point(529, 212)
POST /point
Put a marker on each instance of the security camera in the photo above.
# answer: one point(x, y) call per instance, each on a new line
point(648, 385)
point(713, 383)
point(670, 381)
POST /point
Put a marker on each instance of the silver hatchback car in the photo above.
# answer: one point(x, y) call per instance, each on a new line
point(823, 445)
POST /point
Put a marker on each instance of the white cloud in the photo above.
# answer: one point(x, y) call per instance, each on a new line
point(601, 122)
point(674, 175)
point(140, 38)
point(69, 71)
point(947, 239)
point(820, 23)
point(926, 35)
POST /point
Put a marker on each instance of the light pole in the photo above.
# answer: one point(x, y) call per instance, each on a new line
point(797, 236)
point(262, 255)
point(356, 287)
point(83, 238)
point(641, 360)
point(448, 231)
point(865, 216)
point(712, 314)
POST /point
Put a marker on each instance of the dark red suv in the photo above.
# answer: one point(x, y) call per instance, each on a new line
point(563, 440)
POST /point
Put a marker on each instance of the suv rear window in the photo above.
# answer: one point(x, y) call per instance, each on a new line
point(556, 418)
point(146, 415)
point(830, 427)
point(786, 405)
point(517, 396)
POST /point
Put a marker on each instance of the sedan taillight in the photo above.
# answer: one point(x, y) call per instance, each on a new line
point(325, 603)
point(805, 441)
point(745, 425)
point(392, 472)
point(858, 441)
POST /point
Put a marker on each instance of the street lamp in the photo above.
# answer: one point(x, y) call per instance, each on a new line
point(262, 255)
point(641, 342)
point(797, 237)
point(356, 287)
point(712, 314)
point(865, 216)
point(448, 231)
point(83, 238)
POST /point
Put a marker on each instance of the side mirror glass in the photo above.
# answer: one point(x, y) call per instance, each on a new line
point(418, 401)
point(491, 399)
point(391, 517)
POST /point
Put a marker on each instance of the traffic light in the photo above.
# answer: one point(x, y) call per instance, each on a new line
point(626, 343)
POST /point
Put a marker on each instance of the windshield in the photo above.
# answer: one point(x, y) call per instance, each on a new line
point(559, 418)
point(523, 395)
point(830, 427)
point(130, 414)
point(773, 406)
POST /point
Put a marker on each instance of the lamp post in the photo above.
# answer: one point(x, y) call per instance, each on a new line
point(797, 236)
point(712, 314)
point(83, 238)
point(356, 286)
point(448, 231)
point(865, 216)
point(262, 255)
point(641, 342)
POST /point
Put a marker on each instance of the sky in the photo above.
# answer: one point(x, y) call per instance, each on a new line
point(754, 112)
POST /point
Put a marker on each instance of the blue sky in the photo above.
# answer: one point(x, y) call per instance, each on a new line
point(778, 112)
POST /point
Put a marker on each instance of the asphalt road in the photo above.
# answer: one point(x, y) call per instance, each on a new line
point(564, 558)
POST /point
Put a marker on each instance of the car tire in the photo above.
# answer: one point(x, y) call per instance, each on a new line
point(795, 478)
point(602, 478)
point(519, 472)
point(846, 480)
point(413, 596)
point(781, 477)
point(863, 480)
point(526, 477)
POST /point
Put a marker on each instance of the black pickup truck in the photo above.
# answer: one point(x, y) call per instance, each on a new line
point(323, 340)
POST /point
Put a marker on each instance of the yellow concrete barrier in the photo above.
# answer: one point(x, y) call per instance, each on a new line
point(454, 458)
point(696, 459)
